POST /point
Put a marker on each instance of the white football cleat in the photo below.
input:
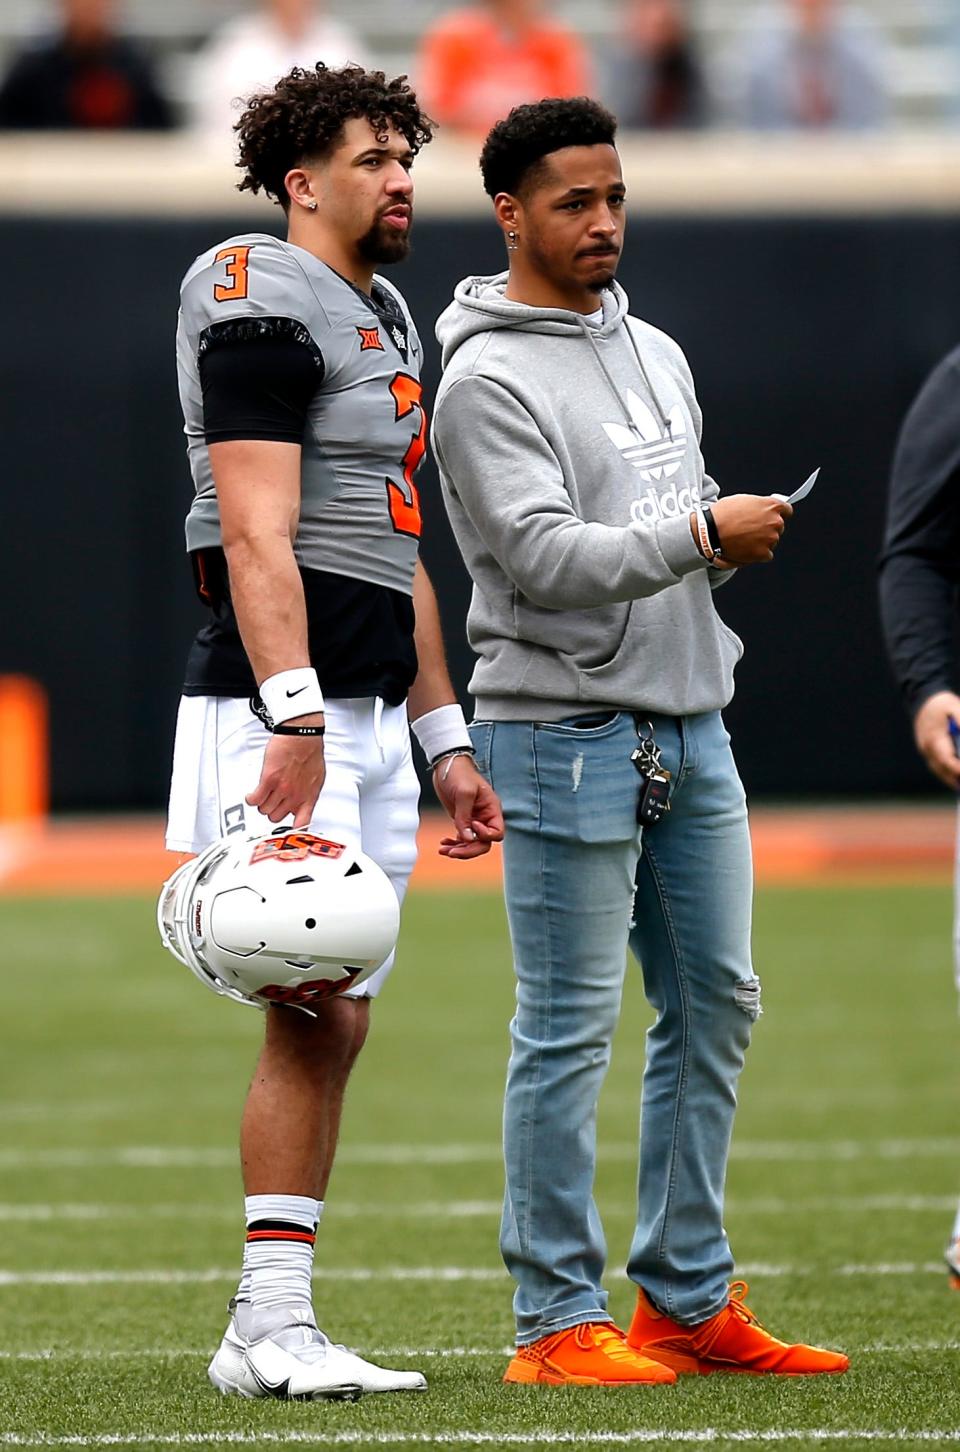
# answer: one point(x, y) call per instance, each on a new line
point(280, 1352)
point(224, 1369)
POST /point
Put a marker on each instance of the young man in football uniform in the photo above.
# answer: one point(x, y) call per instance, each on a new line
point(567, 434)
point(299, 380)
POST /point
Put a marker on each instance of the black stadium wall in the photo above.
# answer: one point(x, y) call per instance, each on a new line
point(808, 339)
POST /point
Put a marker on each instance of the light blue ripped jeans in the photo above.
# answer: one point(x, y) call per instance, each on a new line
point(579, 890)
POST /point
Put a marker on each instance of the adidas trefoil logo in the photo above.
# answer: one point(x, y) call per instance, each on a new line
point(656, 454)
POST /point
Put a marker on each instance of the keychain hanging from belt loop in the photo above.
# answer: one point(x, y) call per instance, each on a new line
point(654, 800)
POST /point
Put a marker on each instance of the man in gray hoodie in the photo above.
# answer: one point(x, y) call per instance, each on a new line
point(567, 435)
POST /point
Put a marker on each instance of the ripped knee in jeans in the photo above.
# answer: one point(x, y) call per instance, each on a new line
point(746, 995)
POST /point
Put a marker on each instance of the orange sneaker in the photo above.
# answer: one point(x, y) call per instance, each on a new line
point(591, 1354)
point(733, 1340)
point(952, 1257)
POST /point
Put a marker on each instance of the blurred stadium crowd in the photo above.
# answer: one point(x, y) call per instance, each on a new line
point(802, 65)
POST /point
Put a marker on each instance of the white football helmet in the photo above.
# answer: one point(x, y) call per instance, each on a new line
point(291, 918)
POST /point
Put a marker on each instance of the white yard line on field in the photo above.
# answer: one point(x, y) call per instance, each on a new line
point(707, 1437)
point(841, 1150)
point(463, 1209)
point(409, 1353)
point(443, 1273)
point(166, 1353)
point(163, 1157)
point(57, 1111)
point(233, 1210)
point(902, 1348)
point(836, 1204)
point(121, 1106)
point(199, 1277)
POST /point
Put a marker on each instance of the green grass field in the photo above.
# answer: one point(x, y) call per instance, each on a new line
point(121, 1082)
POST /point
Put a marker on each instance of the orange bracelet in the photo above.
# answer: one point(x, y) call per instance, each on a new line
point(703, 535)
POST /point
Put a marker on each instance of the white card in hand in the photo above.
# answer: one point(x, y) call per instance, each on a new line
point(800, 493)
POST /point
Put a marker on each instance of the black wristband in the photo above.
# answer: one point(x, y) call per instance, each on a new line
point(712, 530)
point(285, 729)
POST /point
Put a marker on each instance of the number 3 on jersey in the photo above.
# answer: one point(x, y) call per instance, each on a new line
point(238, 281)
point(405, 507)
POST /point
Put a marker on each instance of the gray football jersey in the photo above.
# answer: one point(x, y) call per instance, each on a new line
point(366, 429)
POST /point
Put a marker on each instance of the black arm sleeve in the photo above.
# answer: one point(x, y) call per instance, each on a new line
point(258, 377)
point(920, 563)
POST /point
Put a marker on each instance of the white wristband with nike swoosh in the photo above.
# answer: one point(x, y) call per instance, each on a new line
point(289, 694)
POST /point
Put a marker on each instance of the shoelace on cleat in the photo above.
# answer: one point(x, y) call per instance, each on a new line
point(606, 1339)
point(739, 1291)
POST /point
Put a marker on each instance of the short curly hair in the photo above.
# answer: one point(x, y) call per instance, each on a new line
point(515, 148)
point(303, 116)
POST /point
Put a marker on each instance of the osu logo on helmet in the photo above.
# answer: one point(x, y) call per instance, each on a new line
point(295, 847)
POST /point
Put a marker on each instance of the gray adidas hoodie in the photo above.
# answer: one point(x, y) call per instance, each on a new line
point(569, 456)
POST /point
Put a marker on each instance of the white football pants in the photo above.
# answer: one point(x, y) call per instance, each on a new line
point(369, 798)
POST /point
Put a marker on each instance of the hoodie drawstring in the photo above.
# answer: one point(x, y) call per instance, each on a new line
point(590, 334)
point(480, 307)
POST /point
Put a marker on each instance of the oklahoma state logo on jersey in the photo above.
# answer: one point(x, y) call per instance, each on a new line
point(370, 339)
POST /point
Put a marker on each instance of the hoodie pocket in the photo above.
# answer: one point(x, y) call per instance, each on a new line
point(587, 640)
point(620, 664)
point(732, 639)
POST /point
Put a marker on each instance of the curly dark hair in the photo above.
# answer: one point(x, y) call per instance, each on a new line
point(303, 116)
point(515, 148)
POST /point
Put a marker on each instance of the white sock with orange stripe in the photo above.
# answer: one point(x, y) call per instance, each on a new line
point(278, 1254)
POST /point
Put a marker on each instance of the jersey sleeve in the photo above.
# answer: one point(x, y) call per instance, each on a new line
point(254, 322)
point(252, 278)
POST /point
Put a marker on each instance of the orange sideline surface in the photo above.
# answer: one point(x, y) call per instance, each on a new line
point(818, 845)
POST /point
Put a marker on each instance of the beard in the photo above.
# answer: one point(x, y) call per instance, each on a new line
point(384, 244)
point(604, 278)
point(601, 284)
point(560, 273)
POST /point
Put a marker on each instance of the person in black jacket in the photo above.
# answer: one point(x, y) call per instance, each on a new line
point(83, 77)
point(919, 579)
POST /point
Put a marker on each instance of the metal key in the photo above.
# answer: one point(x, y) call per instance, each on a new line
point(654, 798)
